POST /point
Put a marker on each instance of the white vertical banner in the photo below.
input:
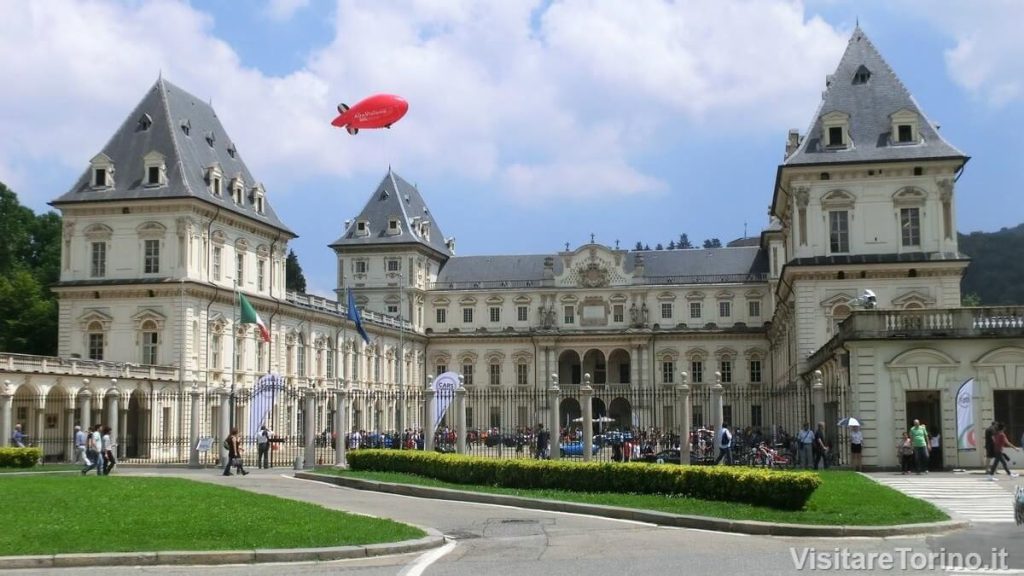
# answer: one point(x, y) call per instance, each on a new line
point(966, 439)
point(263, 397)
point(444, 386)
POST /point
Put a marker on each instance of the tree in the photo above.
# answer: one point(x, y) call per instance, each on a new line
point(671, 244)
point(712, 243)
point(659, 247)
point(293, 278)
point(684, 241)
point(15, 230)
point(647, 246)
point(971, 299)
point(639, 246)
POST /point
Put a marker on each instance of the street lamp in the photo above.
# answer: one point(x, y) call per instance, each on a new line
point(231, 403)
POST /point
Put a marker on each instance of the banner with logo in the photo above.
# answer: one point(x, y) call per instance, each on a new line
point(444, 386)
point(263, 395)
point(965, 430)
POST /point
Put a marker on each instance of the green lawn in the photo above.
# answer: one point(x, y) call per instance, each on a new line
point(844, 498)
point(46, 514)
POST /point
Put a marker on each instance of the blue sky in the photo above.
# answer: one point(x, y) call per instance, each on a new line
point(531, 123)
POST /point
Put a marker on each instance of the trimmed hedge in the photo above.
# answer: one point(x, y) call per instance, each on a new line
point(20, 457)
point(758, 486)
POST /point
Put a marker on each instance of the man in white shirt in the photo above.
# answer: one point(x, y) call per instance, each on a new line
point(805, 440)
point(80, 447)
point(263, 448)
point(725, 445)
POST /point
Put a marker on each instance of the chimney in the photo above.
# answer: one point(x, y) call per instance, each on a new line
point(450, 244)
point(638, 265)
point(792, 142)
point(549, 268)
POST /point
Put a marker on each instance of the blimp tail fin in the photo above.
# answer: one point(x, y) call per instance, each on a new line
point(342, 108)
point(352, 130)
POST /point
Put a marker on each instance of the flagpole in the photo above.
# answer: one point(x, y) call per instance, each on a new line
point(234, 353)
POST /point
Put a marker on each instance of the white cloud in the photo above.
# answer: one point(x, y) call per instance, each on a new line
point(527, 99)
point(283, 10)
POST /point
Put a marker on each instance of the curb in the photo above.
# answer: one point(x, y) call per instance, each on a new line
point(649, 516)
point(213, 557)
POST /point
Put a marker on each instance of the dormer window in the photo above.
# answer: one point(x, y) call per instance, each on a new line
point(835, 128)
point(904, 127)
point(102, 171)
point(214, 179)
point(237, 185)
point(257, 198)
point(155, 169)
point(393, 227)
point(862, 75)
point(425, 231)
point(362, 228)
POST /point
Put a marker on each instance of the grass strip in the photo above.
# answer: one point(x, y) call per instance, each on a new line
point(843, 498)
point(46, 514)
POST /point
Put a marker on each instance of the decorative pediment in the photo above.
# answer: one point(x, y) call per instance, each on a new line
point(94, 315)
point(914, 299)
point(440, 358)
point(218, 237)
point(754, 353)
point(148, 314)
point(151, 230)
point(838, 199)
point(263, 251)
point(468, 357)
point(592, 266)
point(495, 300)
point(753, 294)
point(724, 295)
point(241, 245)
point(495, 356)
point(836, 299)
point(666, 297)
point(522, 356)
point(467, 301)
point(98, 232)
point(1004, 356)
point(695, 295)
point(696, 354)
point(218, 322)
point(569, 299)
point(441, 302)
point(922, 356)
point(618, 298)
point(725, 353)
point(909, 196)
point(522, 299)
point(667, 354)
point(392, 299)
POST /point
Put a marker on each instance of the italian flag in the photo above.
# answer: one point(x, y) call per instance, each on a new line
point(249, 316)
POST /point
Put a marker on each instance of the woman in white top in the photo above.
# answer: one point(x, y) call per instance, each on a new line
point(108, 452)
point(856, 445)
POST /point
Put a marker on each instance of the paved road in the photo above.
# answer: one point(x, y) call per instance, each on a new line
point(508, 542)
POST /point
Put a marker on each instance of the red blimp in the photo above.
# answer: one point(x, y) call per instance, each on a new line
point(377, 111)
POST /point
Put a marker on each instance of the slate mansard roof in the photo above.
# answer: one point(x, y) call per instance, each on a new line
point(395, 198)
point(676, 266)
point(869, 105)
point(187, 132)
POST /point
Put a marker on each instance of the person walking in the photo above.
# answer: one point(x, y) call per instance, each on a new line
point(108, 451)
point(263, 448)
point(999, 442)
point(725, 445)
point(805, 444)
point(93, 454)
point(543, 442)
point(80, 447)
point(232, 443)
point(905, 450)
point(820, 447)
point(919, 437)
point(856, 447)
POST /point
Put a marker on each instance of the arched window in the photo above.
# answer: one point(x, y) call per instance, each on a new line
point(300, 356)
point(96, 337)
point(150, 342)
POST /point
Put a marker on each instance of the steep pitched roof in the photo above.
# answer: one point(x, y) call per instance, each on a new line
point(395, 198)
point(186, 131)
point(869, 100)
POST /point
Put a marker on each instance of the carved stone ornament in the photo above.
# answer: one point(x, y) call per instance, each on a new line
point(593, 275)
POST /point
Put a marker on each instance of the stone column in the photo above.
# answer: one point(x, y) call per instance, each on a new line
point(341, 426)
point(460, 417)
point(587, 395)
point(817, 398)
point(716, 408)
point(309, 429)
point(113, 398)
point(225, 422)
point(193, 425)
point(6, 425)
point(123, 432)
point(86, 406)
point(683, 397)
point(69, 425)
point(429, 406)
point(555, 450)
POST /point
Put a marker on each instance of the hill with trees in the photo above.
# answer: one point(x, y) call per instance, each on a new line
point(995, 276)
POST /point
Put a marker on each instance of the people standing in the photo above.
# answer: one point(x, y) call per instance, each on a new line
point(805, 442)
point(93, 455)
point(80, 447)
point(919, 437)
point(263, 447)
point(233, 444)
point(108, 451)
point(935, 452)
point(543, 442)
point(999, 442)
point(856, 447)
point(725, 445)
point(820, 447)
point(905, 449)
point(19, 438)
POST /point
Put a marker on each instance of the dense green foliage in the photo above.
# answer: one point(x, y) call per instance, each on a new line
point(19, 457)
point(29, 264)
point(844, 498)
point(995, 276)
point(47, 516)
point(782, 490)
point(294, 280)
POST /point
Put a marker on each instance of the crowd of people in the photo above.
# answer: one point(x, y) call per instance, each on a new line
point(95, 448)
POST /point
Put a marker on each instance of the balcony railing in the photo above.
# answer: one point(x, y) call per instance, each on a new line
point(638, 280)
point(83, 367)
point(979, 322)
point(321, 304)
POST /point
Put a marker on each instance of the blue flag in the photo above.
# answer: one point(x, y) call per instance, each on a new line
point(353, 315)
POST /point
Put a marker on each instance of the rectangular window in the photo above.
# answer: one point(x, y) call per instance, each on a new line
point(668, 369)
point(239, 352)
point(570, 314)
point(755, 370)
point(149, 342)
point(393, 309)
point(154, 175)
point(906, 133)
point(522, 374)
point(839, 231)
point(330, 362)
point(666, 310)
point(260, 355)
point(835, 136)
point(239, 268)
point(725, 309)
point(101, 178)
point(96, 346)
point(494, 374)
point(910, 226)
point(394, 265)
point(522, 313)
point(697, 371)
point(618, 313)
point(300, 362)
point(261, 267)
point(495, 417)
point(725, 367)
point(495, 314)
point(754, 308)
point(440, 369)
point(755, 415)
point(98, 268)
point(467, 315)
point(441, 315)
point(695, 310)
point(361, 266)
point(216, 263)
point(727, 414)
point(467, 374)
point(215, 352)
